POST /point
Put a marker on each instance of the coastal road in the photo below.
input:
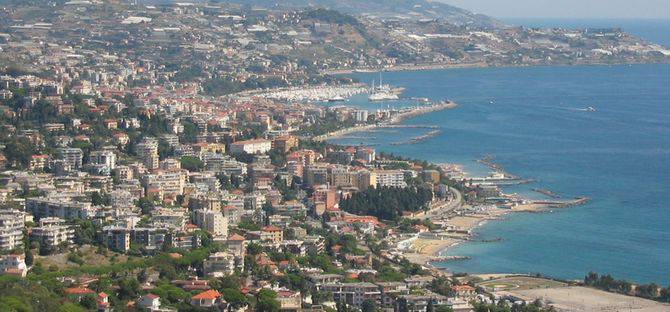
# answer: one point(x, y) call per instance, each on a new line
point(441, 210)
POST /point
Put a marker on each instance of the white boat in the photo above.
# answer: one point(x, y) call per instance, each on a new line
point(336, 98)
point(590, 109)
point(383, 96)
point(383, 92)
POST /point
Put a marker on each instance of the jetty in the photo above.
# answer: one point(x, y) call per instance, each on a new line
point(391, 122)
point(562, 203)
point(547, 193)
point(448, 258)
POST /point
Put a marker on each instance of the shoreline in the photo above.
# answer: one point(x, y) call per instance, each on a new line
point(427, 67)
point(397, 119)
point(428, 251)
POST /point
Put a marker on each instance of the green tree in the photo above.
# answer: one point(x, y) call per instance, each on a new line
point(70, 307)
point(88, 302)
point(235, 299)
point(369, 305)
point(129, 288)
point(18, 151)
point(191, 163)
point(266, 301)
point(29, 257)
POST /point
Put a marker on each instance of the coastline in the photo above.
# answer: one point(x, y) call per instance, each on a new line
point(397, 119)
point(425, 251)
point(426, 67)
point(458, 223)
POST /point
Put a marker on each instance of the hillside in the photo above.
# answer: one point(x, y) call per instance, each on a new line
point(418, 9)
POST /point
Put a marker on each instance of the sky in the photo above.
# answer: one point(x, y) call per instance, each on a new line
point(567, 8)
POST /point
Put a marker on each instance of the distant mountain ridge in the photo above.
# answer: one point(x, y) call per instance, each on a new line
point(385, 8)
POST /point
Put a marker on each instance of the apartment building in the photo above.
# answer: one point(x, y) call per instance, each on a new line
point(12, 223)
point(73, 157)
point(390, 178)
point(52, 233)
point(352, 293)
point(212, 221)
point(64, 208)
point(258, 146)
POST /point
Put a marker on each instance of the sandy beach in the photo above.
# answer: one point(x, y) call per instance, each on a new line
point(424, 249)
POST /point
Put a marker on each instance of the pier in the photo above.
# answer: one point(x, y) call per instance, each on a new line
point(449, 258)
point(547, 193)
point(563, 203)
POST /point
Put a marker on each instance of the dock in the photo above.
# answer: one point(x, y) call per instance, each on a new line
point(563, 203)
point(547, 193)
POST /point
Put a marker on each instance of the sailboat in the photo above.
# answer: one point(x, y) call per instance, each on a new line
point(382, 92)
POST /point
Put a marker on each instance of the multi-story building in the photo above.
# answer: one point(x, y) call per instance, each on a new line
point(11, 229)
point(219, 264)
point(361, 115)
point(339, 176)
point(116, 238)
point(106, 158)
point(289, 300)
point(390, 291)
point(168, 182)
point(64, 208)
point(52, 233)
point(13, 264)
point(258, 146)
point(272, 234)
point(148, 152)
point(352, 293)
point(365, 154)
point(364, 179)
point(390, 178)
point(212, 221)
point(233, 213)
point(420, 303)
point(316, 175)
point(224, 164)
point(285, 143)
point(38, 162)
point(72, 156)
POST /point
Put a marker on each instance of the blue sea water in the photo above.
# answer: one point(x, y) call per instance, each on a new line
point(532, 120)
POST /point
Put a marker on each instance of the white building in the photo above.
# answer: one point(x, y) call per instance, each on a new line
point(149, 302)
point(11, 229)
point(219, 264)
point(168, 181)
point(52, 233)
point(64, 208)
point(258, 146)
point(212, 221)
point(72, 156)
point(361, 115)
point(352, 293)
point(105, 158)
point(13, 264)
point(390, 178)
point(148, 152)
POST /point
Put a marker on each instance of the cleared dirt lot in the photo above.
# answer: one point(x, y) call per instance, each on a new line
point(583, 299)
point(512, 283)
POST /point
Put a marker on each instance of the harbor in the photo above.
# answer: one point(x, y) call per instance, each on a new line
point(397, 117)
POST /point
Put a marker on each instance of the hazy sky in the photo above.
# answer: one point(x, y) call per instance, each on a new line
point(568, 8)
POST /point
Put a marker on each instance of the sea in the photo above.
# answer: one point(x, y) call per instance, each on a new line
point(534, 122)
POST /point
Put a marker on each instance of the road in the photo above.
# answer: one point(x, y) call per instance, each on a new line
point(441, 210)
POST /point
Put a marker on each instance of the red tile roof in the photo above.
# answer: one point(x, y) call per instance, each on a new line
point(236, 238)
point(210, 294)
point(271, 228)
point(78, 291)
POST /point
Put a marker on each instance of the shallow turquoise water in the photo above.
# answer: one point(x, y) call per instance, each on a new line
point(619, 156)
